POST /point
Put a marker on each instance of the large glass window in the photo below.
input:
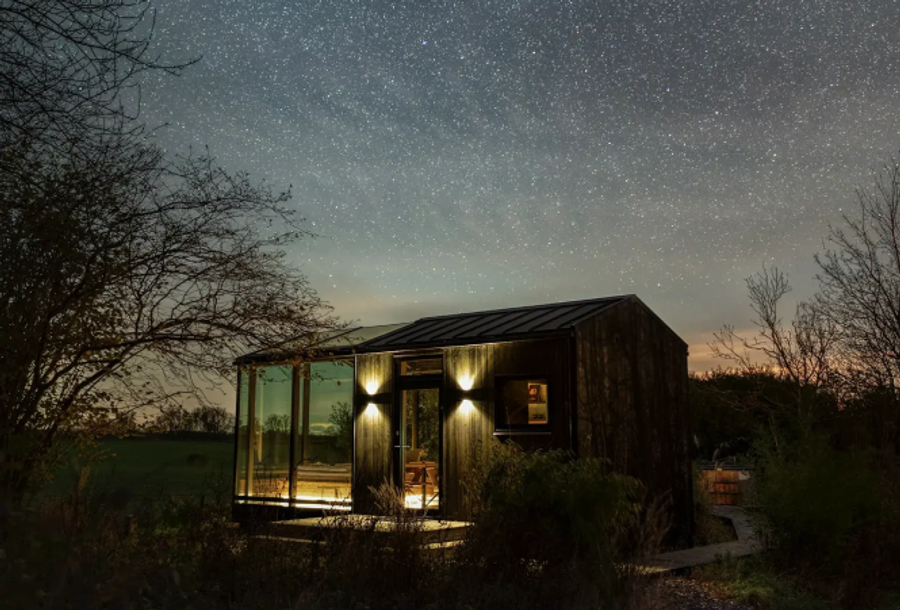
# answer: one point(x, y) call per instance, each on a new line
point(243, 434)
point(271, 454)
point(325, 435)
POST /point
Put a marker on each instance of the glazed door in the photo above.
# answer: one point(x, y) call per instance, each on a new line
point(417, 449)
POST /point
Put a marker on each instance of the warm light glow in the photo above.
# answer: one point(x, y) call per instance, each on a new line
point(466, 406)
point(342, 506)
point(371, 409)
point(414, 501)
point(372, 387)
point(466, 382)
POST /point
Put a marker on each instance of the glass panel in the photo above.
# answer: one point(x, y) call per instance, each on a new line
point(325, 435)
point(420, 448)
point(522, 402)
point(427, 366)
point(271, 450)
point(243, 434)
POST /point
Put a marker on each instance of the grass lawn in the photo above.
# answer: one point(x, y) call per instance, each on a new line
point(755, 581)
point(154, 466)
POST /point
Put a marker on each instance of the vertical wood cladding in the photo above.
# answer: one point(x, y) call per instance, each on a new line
point(372, 437)
point(467, 427)
point(632, 402)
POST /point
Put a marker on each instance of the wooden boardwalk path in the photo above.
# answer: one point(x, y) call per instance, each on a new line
point(747, 543)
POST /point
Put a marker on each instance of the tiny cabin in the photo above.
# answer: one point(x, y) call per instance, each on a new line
point(409, 404)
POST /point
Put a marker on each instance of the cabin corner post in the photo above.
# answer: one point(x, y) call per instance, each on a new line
point(235, 478)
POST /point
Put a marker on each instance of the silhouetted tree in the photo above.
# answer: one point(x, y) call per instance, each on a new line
point(70, 72)
point(341, 420)
point(213, 419)
point(123, 280)
point(801, 352)
point(859, 293)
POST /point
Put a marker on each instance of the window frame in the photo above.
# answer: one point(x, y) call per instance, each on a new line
point(501, 425)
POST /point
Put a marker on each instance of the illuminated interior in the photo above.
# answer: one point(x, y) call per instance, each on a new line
point(301, 411)
point(325, 435)
point(420, 448)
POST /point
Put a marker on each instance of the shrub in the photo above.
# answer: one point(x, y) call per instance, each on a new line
point(547, 528)
point(813, 498)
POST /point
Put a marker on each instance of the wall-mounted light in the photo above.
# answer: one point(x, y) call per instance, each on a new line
point(466, 382)
point(371, 410)
point(372, 387)
point(466, 406)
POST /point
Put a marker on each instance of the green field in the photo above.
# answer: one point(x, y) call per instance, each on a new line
point(153, 467)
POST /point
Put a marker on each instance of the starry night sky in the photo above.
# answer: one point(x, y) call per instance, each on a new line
point(456, 156)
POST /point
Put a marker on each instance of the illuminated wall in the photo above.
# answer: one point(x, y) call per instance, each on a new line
point(372, 427)
point(468, 404)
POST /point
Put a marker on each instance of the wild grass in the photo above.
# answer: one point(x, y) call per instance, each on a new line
point(757, 582)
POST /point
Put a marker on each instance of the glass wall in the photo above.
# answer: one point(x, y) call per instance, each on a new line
point(243, 434)
point(322, 447)
point(271, 451)
point(325, 435)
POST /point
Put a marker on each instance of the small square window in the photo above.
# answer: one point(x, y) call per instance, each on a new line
point(522, 403)
point(422, 366)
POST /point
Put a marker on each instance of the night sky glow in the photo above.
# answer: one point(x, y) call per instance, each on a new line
point(457, 156)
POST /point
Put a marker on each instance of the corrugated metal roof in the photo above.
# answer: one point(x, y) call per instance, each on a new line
point(490, 326)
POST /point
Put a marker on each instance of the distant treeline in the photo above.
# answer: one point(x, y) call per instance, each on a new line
point(180, 435)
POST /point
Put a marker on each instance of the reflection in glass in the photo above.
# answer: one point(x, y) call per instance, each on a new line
point(420, 448)
point(522, 402)
point(325, 435)
point(422, 366)
point(271, 454)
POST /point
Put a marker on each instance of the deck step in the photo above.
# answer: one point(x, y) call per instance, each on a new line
point(427, 531)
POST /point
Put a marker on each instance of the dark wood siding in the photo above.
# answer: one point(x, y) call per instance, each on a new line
point(466, 428)
point(632, 402)
point(372, 437)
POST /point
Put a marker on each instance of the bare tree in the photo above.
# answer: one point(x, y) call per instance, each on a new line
point(124, 279)
point(859, 282)
point(70, 71)
point(802, 351)
point(859, 293)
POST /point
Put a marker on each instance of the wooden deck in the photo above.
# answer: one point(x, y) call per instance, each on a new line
point(437, 534)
